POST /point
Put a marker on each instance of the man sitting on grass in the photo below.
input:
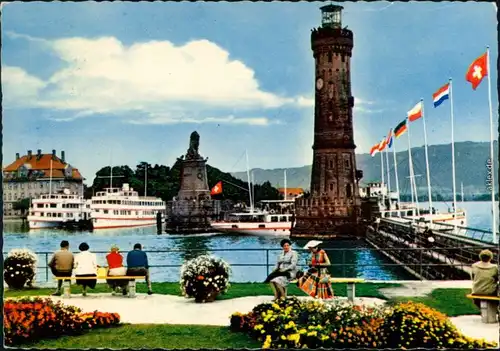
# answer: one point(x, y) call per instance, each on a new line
point(137, 264)
point(61, 264)
point(484, 277)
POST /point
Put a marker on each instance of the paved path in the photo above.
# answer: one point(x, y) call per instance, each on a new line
point(168, 309)
point(415, 288)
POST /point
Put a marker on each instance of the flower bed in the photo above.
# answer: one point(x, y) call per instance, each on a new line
point(204, 277)
point(30, 319)
point(292, 323)
point(19, 268)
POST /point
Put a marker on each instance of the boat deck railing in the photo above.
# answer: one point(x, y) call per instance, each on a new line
point(343, 260)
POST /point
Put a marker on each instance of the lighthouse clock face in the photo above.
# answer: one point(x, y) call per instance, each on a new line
point(319, 84)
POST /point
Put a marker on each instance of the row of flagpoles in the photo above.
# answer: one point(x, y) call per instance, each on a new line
point(479, 69)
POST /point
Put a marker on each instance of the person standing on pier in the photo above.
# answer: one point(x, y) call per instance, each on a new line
point(61, 264)
point(484, 277)
point(285, 270)
point(316, 281)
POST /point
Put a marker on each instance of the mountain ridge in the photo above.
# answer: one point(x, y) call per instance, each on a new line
point(470, 159)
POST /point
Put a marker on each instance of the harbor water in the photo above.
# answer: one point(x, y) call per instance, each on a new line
point(248, 255)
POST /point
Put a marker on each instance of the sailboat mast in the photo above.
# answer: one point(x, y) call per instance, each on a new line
point(249, 184)
point(285, 184)
point(146, 179)
point(462, 191)
point(50, 179)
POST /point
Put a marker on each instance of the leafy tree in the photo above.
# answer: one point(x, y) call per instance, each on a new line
point(164, 182)
point(22, 205)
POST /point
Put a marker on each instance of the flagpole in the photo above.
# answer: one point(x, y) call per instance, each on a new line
point(494, 219)
point(396, 171)
point(388, 178)
point(382, 174)
point(412, 175)
point(453, 157)
point(427, 163)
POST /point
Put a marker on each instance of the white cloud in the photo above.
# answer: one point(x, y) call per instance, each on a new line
point(19, 87)
point(168, 119)
point(157, 79)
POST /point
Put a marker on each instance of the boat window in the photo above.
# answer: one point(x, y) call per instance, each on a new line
point(105, 211)
point(234, 226)
point(274, 218)
point(53, 205)
point(262, 225)
point(283, 219)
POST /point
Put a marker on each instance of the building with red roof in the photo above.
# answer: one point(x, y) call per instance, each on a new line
point(291, 193)
point(32, 175)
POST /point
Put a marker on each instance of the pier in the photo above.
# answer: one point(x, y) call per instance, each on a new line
point(439, 254)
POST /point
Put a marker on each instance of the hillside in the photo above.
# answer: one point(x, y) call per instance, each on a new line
point(470, 157)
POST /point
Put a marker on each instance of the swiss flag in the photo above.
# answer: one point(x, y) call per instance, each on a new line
point(477, 70)
point(217, 189)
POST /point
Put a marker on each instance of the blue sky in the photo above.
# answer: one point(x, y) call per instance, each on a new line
point(128, 82)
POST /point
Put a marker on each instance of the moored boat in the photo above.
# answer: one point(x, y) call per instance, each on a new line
point(53, 210)
point(123, 207)
point(276, 218)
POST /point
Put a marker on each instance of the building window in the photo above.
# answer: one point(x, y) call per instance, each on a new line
point(348, 190)
point(329, 56)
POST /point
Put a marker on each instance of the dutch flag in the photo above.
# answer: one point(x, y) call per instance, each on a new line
point(441, 94)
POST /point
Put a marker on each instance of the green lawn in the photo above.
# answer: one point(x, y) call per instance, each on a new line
point(141, 336)
point(236, 290)
point(451, 302)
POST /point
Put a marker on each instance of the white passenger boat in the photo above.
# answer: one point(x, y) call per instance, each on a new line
point(123, 207)
point(52, 210)
point(274, 219)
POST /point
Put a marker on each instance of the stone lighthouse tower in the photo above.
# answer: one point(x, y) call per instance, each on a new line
point(332, 208)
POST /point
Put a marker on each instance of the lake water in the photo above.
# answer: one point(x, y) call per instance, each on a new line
point(353, 258)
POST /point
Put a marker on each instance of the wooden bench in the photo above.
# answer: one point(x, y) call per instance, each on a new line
point(351, 285)
point(131, 283)
point(489, 310)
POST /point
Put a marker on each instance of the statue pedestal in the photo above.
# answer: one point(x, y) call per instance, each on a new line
point(191, 210)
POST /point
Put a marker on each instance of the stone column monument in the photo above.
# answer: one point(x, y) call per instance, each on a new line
point(190, 211)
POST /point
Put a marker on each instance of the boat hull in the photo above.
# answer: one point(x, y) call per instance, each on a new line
point(39, 224)
point(259, 229)
point(122, 223)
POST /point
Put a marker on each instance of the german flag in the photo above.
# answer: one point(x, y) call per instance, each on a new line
point(400, 129)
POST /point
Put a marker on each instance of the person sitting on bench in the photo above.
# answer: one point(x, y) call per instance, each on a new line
point(484, 277)
point(116, 268)
point(284, 271)
point(316, 281)
point(85, 266)
point(137, 265)
point(61, 264)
